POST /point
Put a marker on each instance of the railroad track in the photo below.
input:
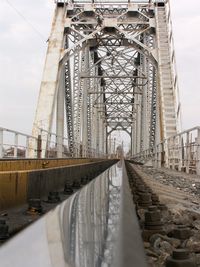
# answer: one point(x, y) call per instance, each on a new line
point(98, 225)
point(168, 194)
point(164, 234)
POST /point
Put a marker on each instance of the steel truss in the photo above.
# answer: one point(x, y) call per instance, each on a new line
point(122, 75)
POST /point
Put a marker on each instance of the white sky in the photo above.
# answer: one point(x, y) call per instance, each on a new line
point(22, 55)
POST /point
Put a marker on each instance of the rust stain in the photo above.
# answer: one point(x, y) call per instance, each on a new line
point(16, 184)
point(13, 189)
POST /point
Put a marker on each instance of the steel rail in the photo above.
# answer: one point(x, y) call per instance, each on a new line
point(97, 226)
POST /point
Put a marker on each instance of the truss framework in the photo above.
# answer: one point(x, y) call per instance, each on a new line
point(118, 74)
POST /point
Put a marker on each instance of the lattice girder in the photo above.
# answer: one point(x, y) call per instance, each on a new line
point(117, 79)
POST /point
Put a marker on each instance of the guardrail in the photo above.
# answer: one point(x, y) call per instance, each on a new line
point(14, 144)
point(180, 152)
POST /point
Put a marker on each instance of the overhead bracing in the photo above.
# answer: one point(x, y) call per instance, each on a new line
point(118, 71)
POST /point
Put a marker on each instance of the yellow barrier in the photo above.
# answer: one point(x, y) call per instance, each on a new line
point(19, 165)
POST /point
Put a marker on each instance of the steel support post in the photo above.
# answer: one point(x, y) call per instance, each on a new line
point(188, 152)
point(134, 138)
point(133, 141)
point(94, 109)
point(77, 96)
point(105, 139)
point(180, 157)
point(109, 145)
point(138, 130)
point(103, 136)
point(144, 110)
point(60, 114)
point(39, 147)
point(16, 145)
point(97, 131)
point(27, 147)
point(101, 133)
point(198, 153)
point(166, 153)
point(48, 147)
point(174, 147)
point(85, 106)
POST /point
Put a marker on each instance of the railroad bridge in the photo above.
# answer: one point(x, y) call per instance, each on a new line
point(110, 66)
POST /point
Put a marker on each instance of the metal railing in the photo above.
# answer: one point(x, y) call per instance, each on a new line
point(14, 144)
point(180, 152)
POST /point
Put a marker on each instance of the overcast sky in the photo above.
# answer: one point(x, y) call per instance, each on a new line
point(23, 47)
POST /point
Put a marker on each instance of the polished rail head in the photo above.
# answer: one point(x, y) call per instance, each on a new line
point(97, 226)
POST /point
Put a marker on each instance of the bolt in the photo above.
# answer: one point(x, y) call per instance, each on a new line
point(144, 199)
point(180, 258)
point(35, 206)
point(181, 232)
point(153, 223)
point(153, 219)
point(76, 184)
point(68, 189)
point(3, 230)
point(53, 197)
point(141, 188)
point(155, 199)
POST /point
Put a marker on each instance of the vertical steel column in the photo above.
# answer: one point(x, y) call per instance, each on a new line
point(60, 114)
point(188, 152)
point(198, 153)
point(105, 138)
point(16, 145)
point(95, 122)
point(180, 160)
point(173, 152)
point(101, 133)
point(89, 104)
point(68, 104)
point(144, 111)
point(153, 108)
point(77, 98)
point(94, 111)
point(131, 140)
point(27, 147)
point(134, 136)
point(85, 106)
point(138, 120)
